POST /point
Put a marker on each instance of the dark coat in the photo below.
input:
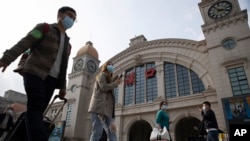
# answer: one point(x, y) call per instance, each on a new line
point(209, 119)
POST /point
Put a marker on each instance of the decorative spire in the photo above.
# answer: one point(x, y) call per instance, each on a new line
point(89, 43)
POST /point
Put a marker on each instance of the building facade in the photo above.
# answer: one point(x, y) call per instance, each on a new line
point(183, 72)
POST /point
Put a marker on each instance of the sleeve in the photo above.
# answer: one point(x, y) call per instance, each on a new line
point(104, 85)
point(158, 117)
point(24, 44)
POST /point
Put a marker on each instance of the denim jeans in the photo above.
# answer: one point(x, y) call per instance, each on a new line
point(213, 135)
point(39, 93)
point(97, 128)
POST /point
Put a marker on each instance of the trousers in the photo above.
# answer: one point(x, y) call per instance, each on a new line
point(98, 126)
point(39, 93)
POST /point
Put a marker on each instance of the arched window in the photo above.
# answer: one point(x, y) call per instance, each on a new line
point(181, 81)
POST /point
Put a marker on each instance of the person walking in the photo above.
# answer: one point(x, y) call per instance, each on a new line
point(45, 68)
point(162, 117)
point(102, 104)
point(210, 121)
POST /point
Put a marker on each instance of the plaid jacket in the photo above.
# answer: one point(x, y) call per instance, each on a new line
point(43, 55)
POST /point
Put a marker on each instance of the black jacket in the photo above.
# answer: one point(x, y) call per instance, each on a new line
point(9, 123)
point(209, 119)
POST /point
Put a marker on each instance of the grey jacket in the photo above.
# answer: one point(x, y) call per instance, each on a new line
point(103, 100)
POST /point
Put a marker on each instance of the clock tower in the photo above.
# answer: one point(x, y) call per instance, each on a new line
point(223, 19)
point(80, 82)
point(227, 39)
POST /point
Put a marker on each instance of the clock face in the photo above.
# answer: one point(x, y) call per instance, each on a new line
point(220, 10)
point(78, 65)
point(92, 67)
point(229, 43)
point(73, 88)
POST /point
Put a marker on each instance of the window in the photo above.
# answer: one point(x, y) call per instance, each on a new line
point(179, 79)
point(129, 88)
point(169, 77)
point(116, 95)
point(197, 85)
point(69, 114)
point(151, 85)
point(140, 84)
point(238, 81)
point(183, 80)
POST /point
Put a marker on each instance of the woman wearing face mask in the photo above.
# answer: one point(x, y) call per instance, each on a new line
point(6, 120)
point(102, 104)
point(162, 117)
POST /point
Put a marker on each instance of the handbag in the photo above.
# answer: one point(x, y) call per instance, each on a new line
point(157, 135)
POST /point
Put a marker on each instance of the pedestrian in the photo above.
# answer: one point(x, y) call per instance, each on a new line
point(45, 68)
point(102, 104)
point(6, 120)
point(162, 117)
point(210, 121)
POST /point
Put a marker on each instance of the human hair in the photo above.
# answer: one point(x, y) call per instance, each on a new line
point(66, 8)
point(104, 69)
point(162, 104)
point(207, 103)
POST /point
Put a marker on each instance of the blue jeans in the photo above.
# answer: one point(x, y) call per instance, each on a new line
point(97, 128)
point(213, 135)
point(39, 93)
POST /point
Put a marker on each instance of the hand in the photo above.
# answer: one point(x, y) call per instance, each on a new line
point(118, 80)
point(199, 107)
point(112, 127)
point(161, 130)
point(3, 65)
point(62, 93)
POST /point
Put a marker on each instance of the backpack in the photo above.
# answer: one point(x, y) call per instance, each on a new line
point(26, 54)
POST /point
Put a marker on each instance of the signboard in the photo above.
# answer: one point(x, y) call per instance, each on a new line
point(237, 109)
point(237, 114)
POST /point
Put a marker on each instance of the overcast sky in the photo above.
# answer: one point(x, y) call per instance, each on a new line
point(109, 24)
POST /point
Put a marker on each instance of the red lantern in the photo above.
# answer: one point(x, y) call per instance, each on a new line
point(150, 72)
point(130, 78)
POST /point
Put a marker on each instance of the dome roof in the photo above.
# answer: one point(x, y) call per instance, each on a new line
point(88, 48)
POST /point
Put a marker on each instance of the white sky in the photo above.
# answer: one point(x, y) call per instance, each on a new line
point(109, 24)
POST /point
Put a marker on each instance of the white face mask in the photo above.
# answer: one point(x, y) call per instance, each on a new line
point(204, 108)
point(164, 107)
point(10, 112)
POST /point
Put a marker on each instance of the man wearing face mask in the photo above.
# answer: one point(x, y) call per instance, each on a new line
point(6, 120)
point(45, 68)
point(162, 117)
point(210, 121)
point(102, 104)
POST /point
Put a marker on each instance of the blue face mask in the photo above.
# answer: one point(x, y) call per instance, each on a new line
point(67, 22)
point(110, 68)
point(164, 107)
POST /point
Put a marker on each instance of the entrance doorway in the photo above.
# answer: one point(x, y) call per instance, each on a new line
point(140, 131)
point(187, 129)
